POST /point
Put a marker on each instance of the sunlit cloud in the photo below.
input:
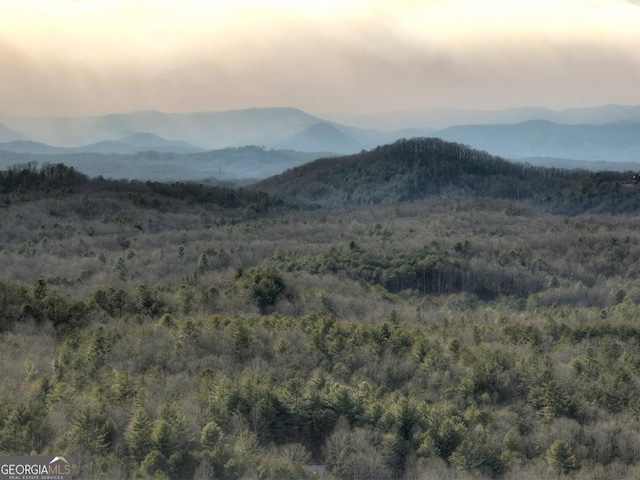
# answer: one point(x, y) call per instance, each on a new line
point(83, 56)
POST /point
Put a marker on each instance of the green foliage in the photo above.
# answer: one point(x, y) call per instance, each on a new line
point(15, 304)
point(169, 435)
point(92, 430)
point(111, 301)
point(283, 471)
point(264, 285)
point(561, 458)
point(423, 271)
point(155, 466)
point(120, 269)
point(186, 297)
point(147, 301)
point(445, 432)
point(476, 452)
point(138, 435)
point(23, 427)
point(546, 395)
point(39, 289)
point(211, 435)
point(203, 263)
point(90, 436)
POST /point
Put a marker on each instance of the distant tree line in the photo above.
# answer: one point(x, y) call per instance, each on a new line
point(28, 177)
point(28, 182)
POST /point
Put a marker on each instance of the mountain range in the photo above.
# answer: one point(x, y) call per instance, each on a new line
point(573, 137)
point(610, 142)
point(268, 127)
point(9, 135)
point(439, 118)
point(130, 144)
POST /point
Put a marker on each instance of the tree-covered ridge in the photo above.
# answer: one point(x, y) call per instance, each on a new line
point(28, 178)
point(426, 167)
point(416, 168)
point(28, 182)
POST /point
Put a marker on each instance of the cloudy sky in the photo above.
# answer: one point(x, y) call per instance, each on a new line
point(77, 57)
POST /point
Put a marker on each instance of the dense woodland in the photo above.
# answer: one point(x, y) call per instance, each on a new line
point(419, 168)
point(161, 331)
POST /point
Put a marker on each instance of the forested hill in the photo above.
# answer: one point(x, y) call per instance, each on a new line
point(66, 188)
point(423, 167)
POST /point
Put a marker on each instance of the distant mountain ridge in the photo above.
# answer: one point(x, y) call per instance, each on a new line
point(269, 127)
point(439, 118)
point(608, 133)
point(130, 144)
point(9, 135)
point(28, 146)
point(322, 137)
point(612, 142)
point(139, 142)
point(227, 165)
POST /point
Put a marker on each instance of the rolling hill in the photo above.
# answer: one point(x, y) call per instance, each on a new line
point(414, 169)
point(322, 137)
point(139, 142)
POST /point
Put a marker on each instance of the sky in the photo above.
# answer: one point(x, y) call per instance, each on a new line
point(91, 57)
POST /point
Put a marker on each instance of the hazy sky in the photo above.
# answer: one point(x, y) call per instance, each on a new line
point(70, 57)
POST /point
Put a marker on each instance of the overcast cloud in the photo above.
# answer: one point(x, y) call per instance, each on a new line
point(70, 57)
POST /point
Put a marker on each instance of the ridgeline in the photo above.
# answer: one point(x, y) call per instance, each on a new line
point(427, 167)
point(28, 182)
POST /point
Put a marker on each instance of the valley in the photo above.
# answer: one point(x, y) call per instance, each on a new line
point(400, 313)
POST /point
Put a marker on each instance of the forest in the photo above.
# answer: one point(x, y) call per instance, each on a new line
point(421, 168)
point(394, 314)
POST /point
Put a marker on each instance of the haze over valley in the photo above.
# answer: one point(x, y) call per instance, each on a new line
point(120, 144)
